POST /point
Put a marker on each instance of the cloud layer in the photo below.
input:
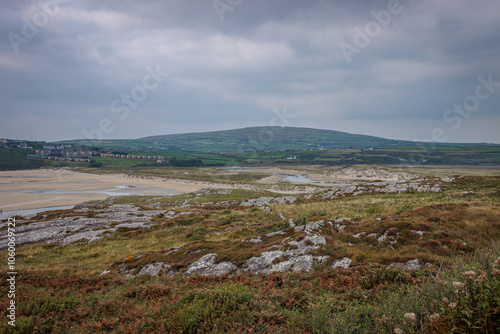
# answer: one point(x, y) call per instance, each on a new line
point(395, 69)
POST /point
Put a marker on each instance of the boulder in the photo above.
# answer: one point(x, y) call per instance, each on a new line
point(206, 266)
point(344, 263)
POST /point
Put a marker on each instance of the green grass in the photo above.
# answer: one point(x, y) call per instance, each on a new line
point(359, 300)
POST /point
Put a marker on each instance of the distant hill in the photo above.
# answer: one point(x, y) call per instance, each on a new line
point(254, 139)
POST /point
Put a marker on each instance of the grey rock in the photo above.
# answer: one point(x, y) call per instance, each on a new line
point(264, 263)
point(344, 263)
point(151, 269)
point(314, 226)
point(339, 227)
point(382, 237)
point(420, 233)
point(344, 220)
point(321, 259)
point(254, 240)
point(300, 263)
point(258, 264)
point(299, 228)
point(206, 266)
point(316, 239)
point(410, 265)
point(284, 200)
point(275, 233)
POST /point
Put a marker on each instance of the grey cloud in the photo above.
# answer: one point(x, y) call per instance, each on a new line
point(233, 72)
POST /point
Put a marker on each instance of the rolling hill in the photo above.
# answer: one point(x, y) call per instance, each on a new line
point(253, 139)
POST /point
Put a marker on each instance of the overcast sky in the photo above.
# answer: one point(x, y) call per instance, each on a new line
point(415, 70)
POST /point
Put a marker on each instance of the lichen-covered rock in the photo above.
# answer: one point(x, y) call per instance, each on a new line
point(264, 201)
point(206, 266)
point(395, 186)
point(80, 227)
point(152, 269)
point(344, 263)
point(261, 263)
point(410, 265)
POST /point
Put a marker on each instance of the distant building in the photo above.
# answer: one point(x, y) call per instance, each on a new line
point(24, 146)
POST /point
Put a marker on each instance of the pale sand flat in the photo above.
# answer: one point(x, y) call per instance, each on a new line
point(12, 183)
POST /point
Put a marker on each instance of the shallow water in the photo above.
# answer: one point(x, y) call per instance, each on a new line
point(293, 178)
point(110, 192)
point(298, 178)
point(9, 214)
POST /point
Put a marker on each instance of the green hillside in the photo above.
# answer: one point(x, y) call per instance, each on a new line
point(253, 139)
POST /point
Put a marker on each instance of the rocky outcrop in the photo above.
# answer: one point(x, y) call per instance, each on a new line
point(264, 201)
point(414, 185)
point(296, 258)
point(206, 266)
point(370, 174)
point(293, 254)
point(84, 224)
point(410, 265)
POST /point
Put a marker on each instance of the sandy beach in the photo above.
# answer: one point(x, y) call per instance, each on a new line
point(45, 188)
point(30, 189)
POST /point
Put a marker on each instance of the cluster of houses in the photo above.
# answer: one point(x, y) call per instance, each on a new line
point(61, 150)
point(48, 157)
point(24, 146)
point(66, 153)
point(61, 153)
